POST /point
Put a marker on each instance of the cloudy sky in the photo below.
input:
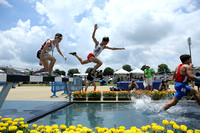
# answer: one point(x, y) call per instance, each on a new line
point(152, 31)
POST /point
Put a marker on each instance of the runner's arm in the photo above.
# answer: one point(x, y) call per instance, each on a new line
point(93, 35)
point(58, 49)
point(112, 48)
point(190, 75)
point(174, 74)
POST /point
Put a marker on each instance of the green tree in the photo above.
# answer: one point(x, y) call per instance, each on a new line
point(163, 68)
point(88, 69)
point(72, 71)
point(63, 72)
point(127, 67)
point(108, 71)
point(59, 72)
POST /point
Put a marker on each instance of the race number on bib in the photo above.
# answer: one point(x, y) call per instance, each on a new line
point(183, 90)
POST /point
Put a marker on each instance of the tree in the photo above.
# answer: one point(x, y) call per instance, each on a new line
point(108, 71)
point(63, 72)
point(163, 68)
point(57, 71)
point(88, 69)
point(72, 71)
point(143, 67)
point(127, 67)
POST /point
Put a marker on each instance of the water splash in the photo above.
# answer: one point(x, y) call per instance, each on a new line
point(147, 105)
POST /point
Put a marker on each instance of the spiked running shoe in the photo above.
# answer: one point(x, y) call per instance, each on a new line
point(72, 53)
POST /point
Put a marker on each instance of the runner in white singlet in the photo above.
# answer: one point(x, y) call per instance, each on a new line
point(99, 47)
point(45, 57)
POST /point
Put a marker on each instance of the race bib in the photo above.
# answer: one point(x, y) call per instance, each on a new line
point(183, 90)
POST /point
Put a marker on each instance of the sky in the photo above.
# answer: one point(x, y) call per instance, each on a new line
point(153, 32)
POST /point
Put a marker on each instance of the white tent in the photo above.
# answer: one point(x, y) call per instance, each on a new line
point(81, 75)
point(121, 71)
point(121, 75)
point(137, 71)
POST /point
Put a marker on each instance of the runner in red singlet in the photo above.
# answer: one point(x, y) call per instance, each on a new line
point(182, 74)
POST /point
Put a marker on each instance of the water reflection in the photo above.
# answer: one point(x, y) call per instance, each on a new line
point(122, 114)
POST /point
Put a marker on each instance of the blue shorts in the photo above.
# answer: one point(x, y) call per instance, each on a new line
point(181, 88)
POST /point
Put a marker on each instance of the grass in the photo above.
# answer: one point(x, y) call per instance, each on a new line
point(111, 84)
point(97, 83)
point(35, 85)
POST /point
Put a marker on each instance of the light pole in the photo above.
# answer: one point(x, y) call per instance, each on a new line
point(189, 43)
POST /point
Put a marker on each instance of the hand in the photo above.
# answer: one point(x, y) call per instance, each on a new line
point(95, 27)
point(41, 63)
point(65, 58)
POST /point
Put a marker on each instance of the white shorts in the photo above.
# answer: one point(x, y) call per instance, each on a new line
point(148, 81)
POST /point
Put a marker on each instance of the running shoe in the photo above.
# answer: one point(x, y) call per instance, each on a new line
point(72, 53)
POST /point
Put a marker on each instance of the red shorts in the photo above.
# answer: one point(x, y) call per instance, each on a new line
point(90, 55)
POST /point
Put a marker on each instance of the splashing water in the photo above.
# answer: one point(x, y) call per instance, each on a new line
point(180, 113)
point(145, 104)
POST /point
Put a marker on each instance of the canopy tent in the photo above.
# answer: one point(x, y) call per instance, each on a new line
point(121, 75)
point(121, 71)
point(80, 74)
point(137, 71)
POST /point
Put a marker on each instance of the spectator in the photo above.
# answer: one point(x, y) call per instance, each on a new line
point(196, 82)
point(90, 80)
point(133, 85)
point(100, 75)
point(163, 86)
point(148, 75)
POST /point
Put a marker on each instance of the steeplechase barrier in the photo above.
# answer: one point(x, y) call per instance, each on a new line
point(71, 84)
point(76, 85)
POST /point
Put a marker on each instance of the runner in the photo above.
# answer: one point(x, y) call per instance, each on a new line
point(45, 57)
point(182, 74)
point(99, 47)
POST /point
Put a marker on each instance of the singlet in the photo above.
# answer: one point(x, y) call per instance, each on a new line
point(179, 77)
point(50, 48)
point(98, 50)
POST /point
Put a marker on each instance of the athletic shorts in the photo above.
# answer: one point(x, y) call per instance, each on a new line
point(181, 89)
point(90, 82)
point(45, 55)
point(38, 54)
point(90, 55)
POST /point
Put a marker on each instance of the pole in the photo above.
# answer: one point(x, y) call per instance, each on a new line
point(189, 43)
